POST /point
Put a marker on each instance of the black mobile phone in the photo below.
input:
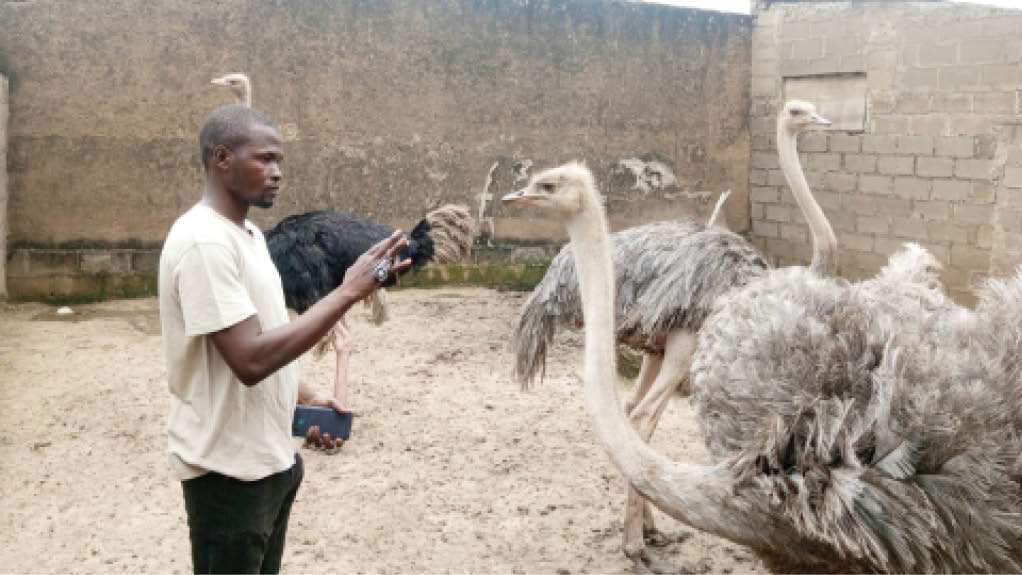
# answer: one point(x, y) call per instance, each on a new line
point(328, 420)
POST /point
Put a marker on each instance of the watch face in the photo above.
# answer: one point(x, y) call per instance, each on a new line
point(380, 273)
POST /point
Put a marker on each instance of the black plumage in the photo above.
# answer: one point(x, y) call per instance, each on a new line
point(313, 250)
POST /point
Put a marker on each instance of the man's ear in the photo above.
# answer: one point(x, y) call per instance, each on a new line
point(222, 157)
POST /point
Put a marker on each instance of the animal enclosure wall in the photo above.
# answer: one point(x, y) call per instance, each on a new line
point(3, 185)
point(936, 158)
point(388, 108)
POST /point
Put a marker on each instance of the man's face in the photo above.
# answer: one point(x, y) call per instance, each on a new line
point(255, 170)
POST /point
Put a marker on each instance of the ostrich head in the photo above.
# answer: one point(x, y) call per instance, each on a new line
point(238, 84)
point(562, 189)
point(797, 115)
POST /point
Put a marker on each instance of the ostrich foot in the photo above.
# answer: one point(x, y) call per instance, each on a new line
point(656, 538)
point(646, 562)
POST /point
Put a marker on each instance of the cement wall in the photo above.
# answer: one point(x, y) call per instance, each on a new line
point(388, 107)
point(4, 106)
point(936, 161)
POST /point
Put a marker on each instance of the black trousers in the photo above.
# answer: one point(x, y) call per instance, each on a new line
point(239, 526)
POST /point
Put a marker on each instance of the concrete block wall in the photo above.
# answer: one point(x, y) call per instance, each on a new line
point(932, 165)
point(4, 107)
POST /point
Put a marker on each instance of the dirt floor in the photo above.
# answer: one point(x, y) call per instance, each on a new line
point(450, 467)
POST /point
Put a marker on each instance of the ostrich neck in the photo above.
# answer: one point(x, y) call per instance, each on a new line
point(245, 98)
point(698, 495)
point(824, 243)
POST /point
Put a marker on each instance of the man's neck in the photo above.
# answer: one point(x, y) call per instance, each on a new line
point(220, 201)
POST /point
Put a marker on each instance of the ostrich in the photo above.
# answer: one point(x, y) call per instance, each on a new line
point(657, 319)
point(668, 277)
point(312, 250)
point(859, 449)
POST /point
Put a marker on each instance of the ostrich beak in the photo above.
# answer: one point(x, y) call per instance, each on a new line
point(820, 120)
point(520, 196)
point(219, 82)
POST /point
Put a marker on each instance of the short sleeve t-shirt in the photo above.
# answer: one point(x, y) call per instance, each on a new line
point(214, 274)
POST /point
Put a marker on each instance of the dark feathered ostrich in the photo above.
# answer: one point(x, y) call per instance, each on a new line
point(313, 250)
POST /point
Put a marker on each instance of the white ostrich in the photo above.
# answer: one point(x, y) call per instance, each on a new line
point(857, 450)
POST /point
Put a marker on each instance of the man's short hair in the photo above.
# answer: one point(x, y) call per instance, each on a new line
point(228, 126)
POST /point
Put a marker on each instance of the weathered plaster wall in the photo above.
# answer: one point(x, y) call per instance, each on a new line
point(937, 161)
point(3, 185)
point(388, 107)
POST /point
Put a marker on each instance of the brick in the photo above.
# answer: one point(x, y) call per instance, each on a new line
point(986, 146)
point(970, 258)
point(826, 65)
point(841, 220)
point(840, 182)
point(763, 194)
point(1011, 220)
point(887, 245)
point(777, 212)
point(911, 228)
point(886, 60)
point(765, 229)
point(890, 124)
point(984, 237)
point(764, 160)
point(917, 145)
point(825, 162)
point(853, 241)
point(965, 214)
point(953, 102)
point(844, 143)
point(981, 50)
point(858, 204)
point(1002, 77)
point(938, 54)
point(1013, 177)
point(1014, 157)
point(912, 188)
point(934, 167)
point(882, 102)
point(880, 185)
point(951, 190)
point(959, 78)
point(994, 103)
point(758, 177)
point(776, 178)
point(946, 232)
point(756, 211)
point(795, 232)
point(42, 263)
point(896, 165)
point(912, 103)
point(842, 45)
point(796, 67)
point(146, 263)
point(98, 262)
point(765, 85)
point(879, 144)
point(974, 169)
point(873, 224)
point(971, 124)
point(1003, 25)
point(827, 199)
point(954, 146)
point(982, 193)
point(812, 142)
point(893, 206)
point(861, 163)
point(929, 125)
point(921, 78)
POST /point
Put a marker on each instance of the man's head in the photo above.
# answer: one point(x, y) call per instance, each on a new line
point(241, 153)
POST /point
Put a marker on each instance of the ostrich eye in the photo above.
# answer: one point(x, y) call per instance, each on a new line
point(546, 187)
point(796, 112)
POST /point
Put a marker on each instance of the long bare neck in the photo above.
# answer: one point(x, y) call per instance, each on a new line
point(244, 97)
point(701, 496)
point(824, 243)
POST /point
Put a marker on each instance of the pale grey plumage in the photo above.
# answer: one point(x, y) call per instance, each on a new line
point(668, 275)
point(879, 424)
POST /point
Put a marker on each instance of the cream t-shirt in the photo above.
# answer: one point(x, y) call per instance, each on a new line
point(214, 274)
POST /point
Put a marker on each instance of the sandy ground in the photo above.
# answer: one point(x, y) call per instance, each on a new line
point(450, 467)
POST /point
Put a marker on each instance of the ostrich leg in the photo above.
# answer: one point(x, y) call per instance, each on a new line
point(674, 367)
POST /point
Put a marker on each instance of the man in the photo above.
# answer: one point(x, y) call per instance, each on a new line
point(231, 350)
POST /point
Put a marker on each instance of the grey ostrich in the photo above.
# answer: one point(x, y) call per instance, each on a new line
point(668, 276)
point(659, 319)
point(856, 448)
